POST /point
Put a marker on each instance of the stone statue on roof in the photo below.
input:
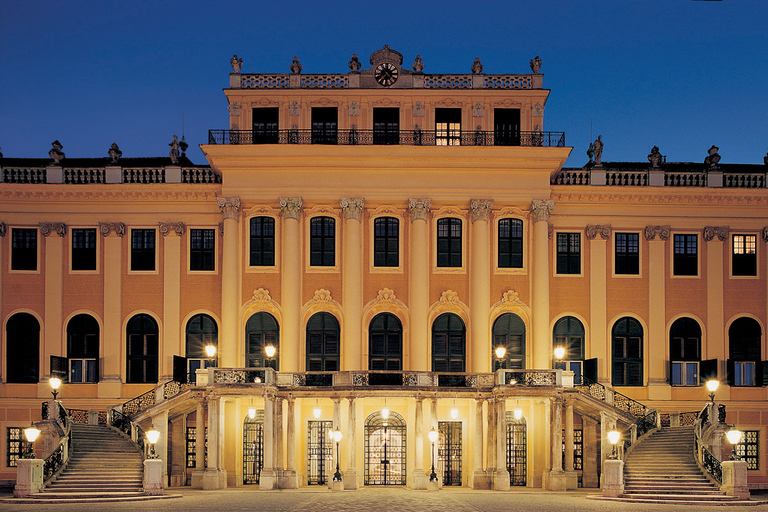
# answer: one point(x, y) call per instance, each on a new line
point(712, 157)
point(174, 150)
point(477, 67)
point(765, 158)
point(655, 157)
point(296, 66)
point(598, 146)
point(56, 153)
point(591, 153)
point(354, 63)
point(114, 152)
point(535, 65)
point(236, 63)
point(418, 64)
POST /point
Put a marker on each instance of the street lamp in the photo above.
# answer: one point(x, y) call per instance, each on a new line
point(433, 438)
point(152, 436)
point(31, 433)
point(613, 437)
point(210, 351)
point(559, 353)
point(270, 351)
point(55, 382)
point(734, 437)
point(337, 438)
point(500, 352)
point(712, 385)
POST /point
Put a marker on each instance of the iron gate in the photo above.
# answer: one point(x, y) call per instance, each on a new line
point(449, 451)
point(253, 448)
point(319, 452)
point(516, 451)
point(385, 449)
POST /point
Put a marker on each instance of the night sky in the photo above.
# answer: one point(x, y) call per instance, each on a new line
point(679, 74)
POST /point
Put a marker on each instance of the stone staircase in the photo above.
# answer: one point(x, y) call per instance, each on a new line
point(662, 469)
point(104, 466)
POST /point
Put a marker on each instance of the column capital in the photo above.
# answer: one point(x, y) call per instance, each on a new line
point(352, 207)
point(230, 207)
point(541, 209)
point(592, 231)
point(46, 228)
point(662, 231)
point(176, 227)
point(419, 208)
point(290, 207)
point(480, 209)
point(105, 228)
point(721, 232)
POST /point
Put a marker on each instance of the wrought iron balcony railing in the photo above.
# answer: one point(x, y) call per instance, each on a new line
point(384, 138)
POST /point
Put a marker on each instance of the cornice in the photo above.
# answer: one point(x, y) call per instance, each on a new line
point(725, 198)
point(111, 195)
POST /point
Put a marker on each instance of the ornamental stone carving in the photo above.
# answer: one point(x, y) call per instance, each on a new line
point(290, 207)
point(662, 231)
point(511, 297)
point(167, 227)
point(46, 228)
point(56, 153)
point(477, 67)
point(352, 207)
point(713, 158)
point(541, 209)
point(354, 109)
point(114, 153)
point(262, 300)
point(296, 66)
point(480, 209)
point(221, 228)
point(418, 65)
point(449, 297)
point(550, 231)
point(418, 109)
point(386, 295)
point(592, 231)
point(478, 109)
point(354, 63)
point(721, 232)
point(323, 297)
point(537, 110)
point(2, 229)
point(236, 63)
point(419, 208)
point(230, 207)
point(765, 232)
point(235, 109)
point(535, 64)
point(294, 109)
point(105, 228)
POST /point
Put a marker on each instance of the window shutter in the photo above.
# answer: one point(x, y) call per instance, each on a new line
point(729, 372)
point(708, 370)
point(590, 369)
point(761, 370)
point(60, 368)
point(97, 369)
point(669, 372)
point(179, 369)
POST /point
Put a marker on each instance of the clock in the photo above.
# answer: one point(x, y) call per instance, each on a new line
point(385, 74)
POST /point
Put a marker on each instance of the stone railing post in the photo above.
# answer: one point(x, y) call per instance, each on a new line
point(613, 478)
point(29, 477)
point(735, 479)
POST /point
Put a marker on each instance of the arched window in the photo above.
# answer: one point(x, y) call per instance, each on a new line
point(385, 343)
point(685, 352)
point(744, 366)
point(510, 243)
point(569, 334)
point(22, 348)
point(261, 331)
point(627, 341)
point(142, 345)
point(449, 337)
point(509, 332)
point(83, 348)
point(323, 343)
point(201, 332)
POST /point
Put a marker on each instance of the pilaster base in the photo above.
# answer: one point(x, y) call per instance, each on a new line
point(501, 480)
point(268, 480)
point(153, 477)
point(350, 479)
point(29, 477)
point(554, 480)
point(571, 480)
point(197, 479)
point(288, 479)
point(480, 480)
point(214, 479)
point(433, 485)
point(420, 479)
point(613, 478)
point(338, 485)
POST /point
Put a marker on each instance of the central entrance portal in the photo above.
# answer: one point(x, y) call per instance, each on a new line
point(449, 451)
point(253, 447)
point(319, 452)
point(385, 449)
point(517, 455)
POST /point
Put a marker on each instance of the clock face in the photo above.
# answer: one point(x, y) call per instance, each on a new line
point(386, 74)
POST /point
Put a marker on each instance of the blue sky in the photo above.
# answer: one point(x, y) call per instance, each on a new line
point(679, 74)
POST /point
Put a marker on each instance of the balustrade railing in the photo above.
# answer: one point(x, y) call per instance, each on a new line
point(685, 179)
point(712, 464)
point(143, 175)
point(591, 388)
point(571, 177)
point(83, 176)
point(58, 458)
point(744, 180)
point(531, 377)
point(140, 403)
point(341, 81)
point(24, 175)
point(199, 175)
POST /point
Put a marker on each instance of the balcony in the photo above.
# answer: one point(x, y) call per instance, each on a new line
point(373, 137)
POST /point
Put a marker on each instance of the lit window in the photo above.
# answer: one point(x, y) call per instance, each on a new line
point(748, 449)
point(685, 352)
point(83, 348)
point(14, 446)
point(448, 126)
point(744, 262)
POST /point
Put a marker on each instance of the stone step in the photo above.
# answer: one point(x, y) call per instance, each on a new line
point(96, 488)
point(686, 491)
point(663, 501)
point(93, 494)
point(41, 499)
point(686, 497)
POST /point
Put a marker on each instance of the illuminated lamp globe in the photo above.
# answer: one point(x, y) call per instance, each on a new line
point(316, 411)
point(251, 412)
point(712, 385)
point(31, 433)
point(337, 435)
point(385, 412)
point(614, 436)
point(733, 435)
point(433, 435)
point(454, 413)
point(559, 352)
point(270, 350)
point(518, 413)
point(500, 352)
point(153, 436)
point(210, 351)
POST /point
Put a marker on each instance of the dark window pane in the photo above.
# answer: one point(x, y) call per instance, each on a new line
point(322, 242)
point(449, 242)
point(262, 242)
point(142, 349)
point(386, 242)
point(568, 253)
point(23, 249)
point(83, 249)
point(142, 249)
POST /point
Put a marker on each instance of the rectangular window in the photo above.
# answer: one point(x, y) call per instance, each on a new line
point(506, 125)
point(202, 249)
point(744, 373)
point(23, 249)
point(685, 373)
point(262, 242)
point(386, 126)
point(685, 262)
point(627, 361)
point(627, 253)
point(578, 450)
point(510, 243)
point(749, 449)
point(322, 242)
point(15, 446)
point(192, 447)
point(744, 262)
point(84, 249)
point(568, 253)
point(325, 125)
point(386, 243)
point(265, 125)
point(447, 126)
point(82, 370)
point(142, 249)
point(449, 242)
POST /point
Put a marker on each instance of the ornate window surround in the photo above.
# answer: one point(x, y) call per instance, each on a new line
point(401, 216)
point(216, 250)
point(261, 211)
point(322, 211)
point(510, 213)
point(463, 216)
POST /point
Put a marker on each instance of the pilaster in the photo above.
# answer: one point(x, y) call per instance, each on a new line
point(352, 282)
point(657, 236)
point(479, 476)
point(480, 285)
point(715, 238)
point(350, 475)
point(172, 342)
point(199, 471)
point(110, 368)
point(571, 478)
point(215, 476)
point(268, 477)
point(598, 300)
point(55, 344)
point(542, 344)
point(501, 475)
point(228, 347)
point(289, 479)
point(418, 284)
point(420, 477)
point(291, 208)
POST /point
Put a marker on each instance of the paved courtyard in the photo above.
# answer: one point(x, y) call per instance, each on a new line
point(371, 500)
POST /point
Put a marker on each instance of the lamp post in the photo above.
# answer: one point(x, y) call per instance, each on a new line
point(337, 438)
point(559, 354)
point(30, 433)
point(55, 382)
point(210, 351)
point(500, 352)
point(432, 438)
point(712, 385)
point(152, 436)
point(270, 351)
point(734, 437)
point(613, 437)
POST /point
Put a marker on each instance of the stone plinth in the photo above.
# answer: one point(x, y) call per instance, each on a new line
point(735, 479)
point(288, 479)
point(29, 477)
point(613, 478)
point(554, 480)
point(268, 480)
point(350, 479)
point(153, 477)
point(420, 479)
point(214, 479)
point(338, 485)
point(501, 480)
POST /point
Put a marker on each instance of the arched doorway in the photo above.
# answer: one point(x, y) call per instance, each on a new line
point(517, 453)
point(253, 447)
point(385, 449)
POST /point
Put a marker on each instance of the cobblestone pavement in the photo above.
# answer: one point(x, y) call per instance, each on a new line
point(372, 500)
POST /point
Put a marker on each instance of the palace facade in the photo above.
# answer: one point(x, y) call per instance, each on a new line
point(385, 231)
